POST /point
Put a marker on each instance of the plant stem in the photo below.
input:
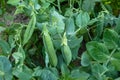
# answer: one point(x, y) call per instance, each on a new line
point(110, 57)
point(80, 4)
point(58, 2)
point(103, 73)
point(89, 34)
point(70, 4)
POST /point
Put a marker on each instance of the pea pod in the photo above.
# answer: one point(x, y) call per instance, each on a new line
point(49, 47)
point(30, 29)
point(66, 51)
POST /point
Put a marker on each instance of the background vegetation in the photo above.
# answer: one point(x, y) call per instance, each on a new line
point(59, 39)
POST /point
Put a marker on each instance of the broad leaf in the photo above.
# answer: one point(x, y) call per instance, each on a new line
point(117, 27)
point(98, 51)
point(99, 28)
point(99, 71)
point(79, 75)
point(88, 5)
point(73, 41)
point(111, 38)
point(64, 70)
point(13, 2)
point(11, 41)
point(22, 72)
point(82, 19)
point(57, 41)
point(19, 56)
point(56, 21)
point(115, 60)
point(5, 69)
point(74, 44)
point(45, 74)
point(117, 78)
point(2, 29)
point(85, 59)
point(5, 47)
point(70, 26)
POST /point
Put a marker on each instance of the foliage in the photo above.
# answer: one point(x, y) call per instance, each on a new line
point(59, 40)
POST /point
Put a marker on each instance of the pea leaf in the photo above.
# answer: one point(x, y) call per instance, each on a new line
point(73, 41)
point(111, 39)
point(99, 71)
point(19, 56)
point(82, 19)
point(2, 29)
point(57, 21)
point(5, 47)
point(13, 2)
point(98, 51)
point(99, 28)
point(117, 78)
point(88, 5)
point(64, 70)
point(74, 44)
point(45, 74)
point(1, 11)
point(70, 26)
point(22, 72)
point(57, 42)
point(85, 59)
point(115, 59)
point(5, 69)
point(117, 27)
point(79, 75)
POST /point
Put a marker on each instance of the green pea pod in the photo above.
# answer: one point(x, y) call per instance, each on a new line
point(66, 51)
point(49, 47)
point(67, 55)
point(30, 29)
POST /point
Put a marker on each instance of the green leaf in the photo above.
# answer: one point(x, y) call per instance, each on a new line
point(68, 12)
point(99, 28)
point(57, 21)
point(19, 56)
point(22, 72)
point(110, 38)
point(98, 51)
point(11, 41)
point(73, 41)
point(20, 9)
point(112, 72)
point(79, 75)
point(37, 6)
point(74, 44)
point(117, 78)
point(70, 26)
point(99, 71)
point(82, 19)
point(13, 2)
point(57, 41)
point(1, 12)
point(81, 31)
point(85, 59)
point(5, 47)
point(45, 74)
point(117, 27)
point(115, 60)
point(88, 5)
point(5, 69)
point(64, 70)
point(2, 29)
point(30, 29)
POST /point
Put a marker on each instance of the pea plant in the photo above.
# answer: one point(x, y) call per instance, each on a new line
point(59, 40)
